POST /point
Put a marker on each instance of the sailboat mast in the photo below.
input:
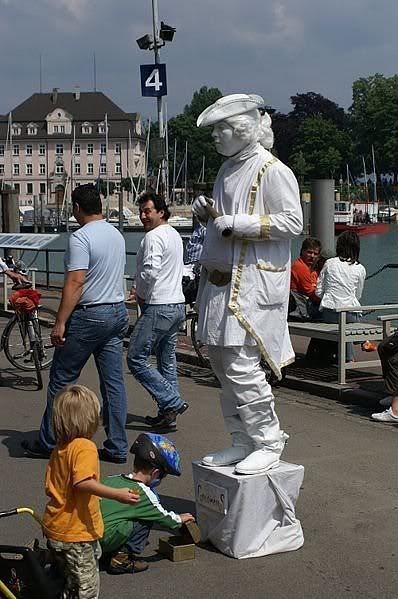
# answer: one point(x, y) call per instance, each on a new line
point(107, 167)
point(374, 175)
point(186, 174)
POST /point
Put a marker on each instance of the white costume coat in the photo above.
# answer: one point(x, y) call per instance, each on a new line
point(262, 194)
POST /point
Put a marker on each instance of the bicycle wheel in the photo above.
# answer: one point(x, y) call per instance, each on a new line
point(36, 361)
point(17, 345)
point(200, 348)
point(43, 325)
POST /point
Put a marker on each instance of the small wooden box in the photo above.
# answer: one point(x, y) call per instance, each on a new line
point(177, 549)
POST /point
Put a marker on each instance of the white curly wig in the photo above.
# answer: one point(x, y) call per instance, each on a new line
point(254, 126)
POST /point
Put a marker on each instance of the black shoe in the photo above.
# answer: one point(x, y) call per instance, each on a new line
point(105, 456)
point(153, 420)
point(35, 450)
point(124, 563)
point(168, 419)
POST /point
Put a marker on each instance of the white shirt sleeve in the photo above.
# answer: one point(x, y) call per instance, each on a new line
point(153, 249)
point(3, 266)
point(361, 283)
point(320, 284)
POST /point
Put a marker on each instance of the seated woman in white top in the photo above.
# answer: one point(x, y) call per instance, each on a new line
point(340, 284)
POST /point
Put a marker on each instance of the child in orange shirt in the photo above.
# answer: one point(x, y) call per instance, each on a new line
point(72, 520)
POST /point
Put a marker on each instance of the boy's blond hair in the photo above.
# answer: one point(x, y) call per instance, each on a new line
point(76, 413)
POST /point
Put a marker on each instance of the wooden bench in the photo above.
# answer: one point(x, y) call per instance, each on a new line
point(344, 332)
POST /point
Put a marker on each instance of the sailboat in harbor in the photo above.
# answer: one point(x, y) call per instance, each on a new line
point(360, 215)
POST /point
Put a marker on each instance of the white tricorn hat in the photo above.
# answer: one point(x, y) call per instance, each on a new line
point(228, 106)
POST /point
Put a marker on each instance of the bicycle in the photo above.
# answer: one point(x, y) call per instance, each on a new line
point(26, 337)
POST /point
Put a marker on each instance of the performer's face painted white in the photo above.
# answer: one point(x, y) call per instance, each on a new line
point(226, 140)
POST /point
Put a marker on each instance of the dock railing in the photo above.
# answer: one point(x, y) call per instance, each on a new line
point(44, 276)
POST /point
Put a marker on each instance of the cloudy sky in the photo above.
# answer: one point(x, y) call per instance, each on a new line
point(275, 48)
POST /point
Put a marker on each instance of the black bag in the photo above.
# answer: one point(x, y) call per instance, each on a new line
point(190, 289)
point(301, 308)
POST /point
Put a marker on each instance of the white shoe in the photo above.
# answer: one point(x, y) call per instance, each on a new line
point(386, 401)
point(228, 456)
point(386, 416)
point(258, 462)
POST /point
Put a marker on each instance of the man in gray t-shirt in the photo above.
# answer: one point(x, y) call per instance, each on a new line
point(91, 320)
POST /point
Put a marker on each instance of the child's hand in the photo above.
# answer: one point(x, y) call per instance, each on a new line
point(187, 518)
point(127, 496)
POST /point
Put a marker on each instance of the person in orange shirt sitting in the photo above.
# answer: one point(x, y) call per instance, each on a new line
point(72, 520)
point(303, 274)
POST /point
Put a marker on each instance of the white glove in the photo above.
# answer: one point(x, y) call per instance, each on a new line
point(199, 208)
point(224, 222)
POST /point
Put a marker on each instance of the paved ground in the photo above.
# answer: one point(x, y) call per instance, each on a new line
point(348, 504)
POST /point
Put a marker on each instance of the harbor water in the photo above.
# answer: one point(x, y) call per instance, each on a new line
point(376, 250)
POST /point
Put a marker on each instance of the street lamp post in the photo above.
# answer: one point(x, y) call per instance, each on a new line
point(156, 45)
point(154, 42)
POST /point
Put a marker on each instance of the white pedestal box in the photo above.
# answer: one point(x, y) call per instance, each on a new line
point(249, 515)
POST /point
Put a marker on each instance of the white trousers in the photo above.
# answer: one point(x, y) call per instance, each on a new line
point(247, 402)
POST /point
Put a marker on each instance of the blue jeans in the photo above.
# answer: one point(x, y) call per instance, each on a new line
point(138, 538)
point(156, 330)
point(97, 331)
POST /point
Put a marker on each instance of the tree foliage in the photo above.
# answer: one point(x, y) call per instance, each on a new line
point(374, 119)
point(322, 147)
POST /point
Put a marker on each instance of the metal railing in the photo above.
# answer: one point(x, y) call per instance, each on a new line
point(49, 281)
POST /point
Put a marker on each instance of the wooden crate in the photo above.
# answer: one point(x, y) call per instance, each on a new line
point(177, 549)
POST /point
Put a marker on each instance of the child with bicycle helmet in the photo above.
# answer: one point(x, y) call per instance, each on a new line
point(127, 527)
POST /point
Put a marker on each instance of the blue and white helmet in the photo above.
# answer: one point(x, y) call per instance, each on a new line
point(158, 451)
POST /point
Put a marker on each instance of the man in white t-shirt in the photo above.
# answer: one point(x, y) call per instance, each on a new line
point(91, 321)
point(159, 293)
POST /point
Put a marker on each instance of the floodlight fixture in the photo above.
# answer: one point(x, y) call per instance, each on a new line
point(145, 42)
point(166, 32)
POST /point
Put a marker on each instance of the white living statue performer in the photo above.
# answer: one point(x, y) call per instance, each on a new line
point(244, 288)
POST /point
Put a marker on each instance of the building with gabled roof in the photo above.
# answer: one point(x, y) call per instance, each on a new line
point(52, 142)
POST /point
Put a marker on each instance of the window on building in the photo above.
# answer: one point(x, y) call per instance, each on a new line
point(59, 169)
point(90, 149)
point(59, 128)
point(1, 149)
point(77, 168)
point(42, 188)
point(117, 168)
point(77, 149)
point(117, 187)
point(103, 168)
point(103, 149)
point(29, 149)
point(86, 129)
point(59, 149)
point(1, 169)
point(42, 149)
point(17, 187)
point(15, 150)
point(29, 188)
point(15, 169)
point(42, 169)
point(90, 168)
point(118, 148)
point(16, 130)
point(101, 128)
point(32, 130)
point(29, 169)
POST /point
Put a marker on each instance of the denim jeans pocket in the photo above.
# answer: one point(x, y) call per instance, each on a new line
point(169, 317)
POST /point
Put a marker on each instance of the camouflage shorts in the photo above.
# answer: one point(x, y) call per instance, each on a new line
point(80, 565)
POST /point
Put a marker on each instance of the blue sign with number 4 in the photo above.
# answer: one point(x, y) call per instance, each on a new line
point(153, 80)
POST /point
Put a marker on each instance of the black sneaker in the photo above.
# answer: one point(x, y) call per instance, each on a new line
point(153, 420)
point(105, 456)
point(169, 418)
point(35, 450)
point(125, 563)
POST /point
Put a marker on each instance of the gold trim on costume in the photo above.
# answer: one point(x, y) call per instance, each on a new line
point(270, 268)
point(264, 227)
point(233, 305)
